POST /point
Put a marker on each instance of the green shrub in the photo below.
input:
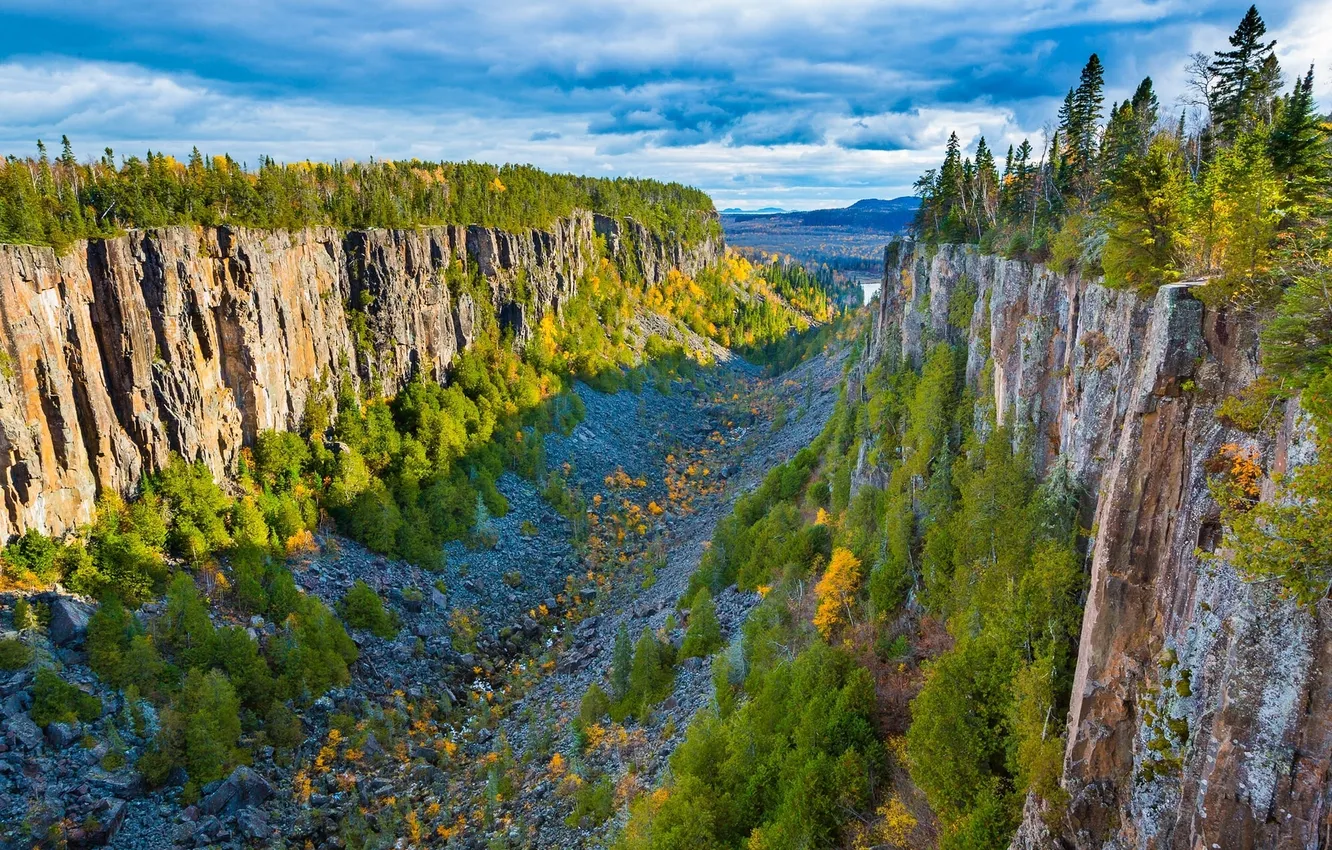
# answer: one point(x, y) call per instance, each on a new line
point(363, 609)
point(56, 701)
point(283, 727)
point(594, 706)
point(594, 801)
point(14, 655)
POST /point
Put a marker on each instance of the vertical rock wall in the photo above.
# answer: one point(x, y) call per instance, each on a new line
point(193, 340)
point(1200, 715)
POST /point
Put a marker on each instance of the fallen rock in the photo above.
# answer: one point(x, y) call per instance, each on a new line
point(69, 621)
point(244, 787)
point(61, 735)
point(28, 734)
point(102, 825)
point(252, 823)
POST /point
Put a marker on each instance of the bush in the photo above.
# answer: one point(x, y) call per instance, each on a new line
point(595, 705)
point(283, 727)
point(594, 801)
point(56, 701)
point(363, 609)
point(33, 554)
point(14, 655)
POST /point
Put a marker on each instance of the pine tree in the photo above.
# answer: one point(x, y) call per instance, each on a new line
point(1298, 144)
point(622, 661)
point(704, 634)
point(1079, 127)
point(1246, 77)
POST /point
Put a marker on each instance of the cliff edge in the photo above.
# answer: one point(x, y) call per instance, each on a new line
point(1200, 712)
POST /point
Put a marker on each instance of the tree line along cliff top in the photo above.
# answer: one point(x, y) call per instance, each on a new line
point(54, 201)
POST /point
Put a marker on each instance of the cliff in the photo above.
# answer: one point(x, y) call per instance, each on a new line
point(1200, 713)
point(189, 340)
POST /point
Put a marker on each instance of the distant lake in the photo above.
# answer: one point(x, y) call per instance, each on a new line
point(871, 290)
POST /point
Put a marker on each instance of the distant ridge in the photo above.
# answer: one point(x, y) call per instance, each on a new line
point(869, 214)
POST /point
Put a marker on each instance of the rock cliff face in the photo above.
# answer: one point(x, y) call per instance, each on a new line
point(1201, 713)
point(192, 340)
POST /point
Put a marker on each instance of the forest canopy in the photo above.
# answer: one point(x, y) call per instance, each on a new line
point(52, 201)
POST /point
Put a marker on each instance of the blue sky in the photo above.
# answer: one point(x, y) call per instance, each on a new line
point(793, 104)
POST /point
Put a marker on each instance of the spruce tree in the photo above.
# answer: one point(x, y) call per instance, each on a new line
point(704, 634)
point(1298, 144)
point(1079, 128)
point(1246, 77)
point(622, 662)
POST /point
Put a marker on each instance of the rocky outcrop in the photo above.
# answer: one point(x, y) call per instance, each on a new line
point(650, 257)
point(1200, 713)
point(122, 351)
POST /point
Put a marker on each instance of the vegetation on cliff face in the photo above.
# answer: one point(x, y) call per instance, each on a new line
point(46, 201)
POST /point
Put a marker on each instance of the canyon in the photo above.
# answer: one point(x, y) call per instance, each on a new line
point(1200, 704)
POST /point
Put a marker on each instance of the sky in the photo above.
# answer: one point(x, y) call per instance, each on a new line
point(771, 103)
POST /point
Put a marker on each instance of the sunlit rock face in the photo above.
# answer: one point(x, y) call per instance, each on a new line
point(193, 340)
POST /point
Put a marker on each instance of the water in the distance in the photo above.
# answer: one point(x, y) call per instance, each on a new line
point(871, 289)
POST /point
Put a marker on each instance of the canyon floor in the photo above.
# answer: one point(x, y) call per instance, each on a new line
point(459, 730)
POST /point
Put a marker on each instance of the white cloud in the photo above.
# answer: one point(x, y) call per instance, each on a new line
point(759, 101)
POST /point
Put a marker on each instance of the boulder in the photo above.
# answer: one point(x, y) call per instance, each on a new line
point(62, 735)
point(69, 621)
point(245, 787)
point(28, 734)
point(102, 824)
point(252, 823)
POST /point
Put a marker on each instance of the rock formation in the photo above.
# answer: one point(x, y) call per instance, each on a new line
point(119, 352)
point(1200, 713)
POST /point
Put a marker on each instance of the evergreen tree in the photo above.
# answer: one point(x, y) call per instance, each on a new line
point(1246, 77)
point(1298, 143)
point(622, 661)
point(1079, 128)
point(1144, 217)
point(704, 634)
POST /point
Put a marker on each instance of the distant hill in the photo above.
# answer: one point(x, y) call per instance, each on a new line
point(870, 214)
point(759, 211)
point(848, 238)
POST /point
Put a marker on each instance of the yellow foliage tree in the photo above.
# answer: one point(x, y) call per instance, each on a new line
point(835, 591)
